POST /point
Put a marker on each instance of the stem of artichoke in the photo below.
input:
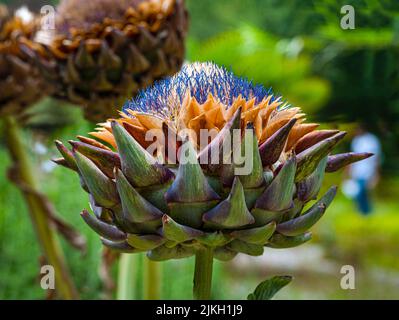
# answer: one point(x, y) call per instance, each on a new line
point(152, 280)
point(127, 277)
point(203, 274)
point(46, 235)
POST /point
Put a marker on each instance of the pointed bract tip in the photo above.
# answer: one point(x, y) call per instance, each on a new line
point(67, 155)
point(165, 218)
point(309, 159)
point(272, 148)
point(58, 143)
point(73, 143)
point(84, 213)
point(339, 161)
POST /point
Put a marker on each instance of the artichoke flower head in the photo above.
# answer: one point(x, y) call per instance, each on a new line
point(103, 51)
point(20, 82)
point(175, 194)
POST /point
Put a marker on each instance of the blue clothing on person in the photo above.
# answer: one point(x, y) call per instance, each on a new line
point(364, 172)
point(362, 197)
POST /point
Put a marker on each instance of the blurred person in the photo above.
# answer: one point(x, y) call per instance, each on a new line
point(365, 173)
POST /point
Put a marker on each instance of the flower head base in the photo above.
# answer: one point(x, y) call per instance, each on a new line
point(172, 211)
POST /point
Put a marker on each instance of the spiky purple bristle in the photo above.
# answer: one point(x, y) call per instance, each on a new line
point(200, 80)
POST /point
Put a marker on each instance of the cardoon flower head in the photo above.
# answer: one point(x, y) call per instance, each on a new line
point(176, 210)
point(20, 82)
point(104, 51)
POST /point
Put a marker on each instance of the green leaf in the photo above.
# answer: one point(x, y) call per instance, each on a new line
point(268, 288)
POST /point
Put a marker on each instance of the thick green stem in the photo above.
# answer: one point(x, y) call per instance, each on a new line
point(46, 235)
point(203, 274)
point(152, 280)
point(127, 277)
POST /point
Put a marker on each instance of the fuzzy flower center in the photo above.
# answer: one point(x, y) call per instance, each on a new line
point(200, 81)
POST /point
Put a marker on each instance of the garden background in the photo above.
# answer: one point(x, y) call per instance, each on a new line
point(339, 77)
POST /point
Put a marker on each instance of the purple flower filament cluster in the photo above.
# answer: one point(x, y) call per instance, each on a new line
point(200, 80)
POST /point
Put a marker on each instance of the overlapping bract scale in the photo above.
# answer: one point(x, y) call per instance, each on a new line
point(21, 84)
point(104, 51)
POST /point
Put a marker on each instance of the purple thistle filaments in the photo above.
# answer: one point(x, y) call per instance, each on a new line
point(200, 80)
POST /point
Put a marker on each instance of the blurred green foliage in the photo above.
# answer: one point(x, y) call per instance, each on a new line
point(264, 59)
point(299, 48)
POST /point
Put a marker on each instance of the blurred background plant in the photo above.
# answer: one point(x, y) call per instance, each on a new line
point(95, 55)
point(344, 77)
point(21, 87)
